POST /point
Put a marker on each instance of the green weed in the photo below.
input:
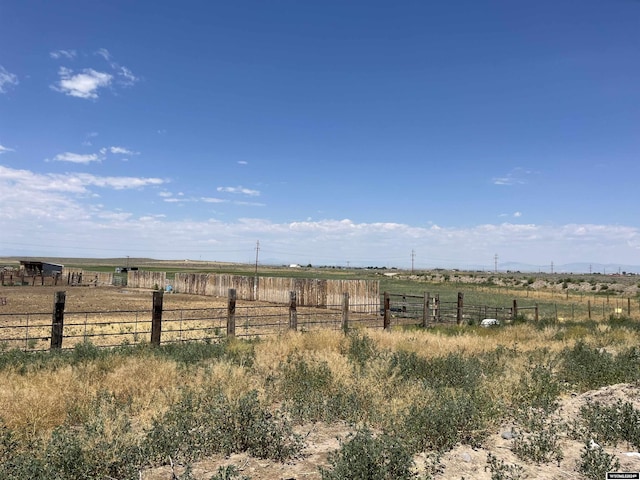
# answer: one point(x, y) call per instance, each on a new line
point(364, 456)
point(503, 471)
point(594, 463)
point(446, 419)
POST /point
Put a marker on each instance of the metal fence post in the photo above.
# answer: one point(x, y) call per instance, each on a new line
point(459, 308)
point(57, 323)
point(156, 317)
point(231, 313)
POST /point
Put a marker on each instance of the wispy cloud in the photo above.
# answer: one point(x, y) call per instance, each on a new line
point(81, 85)
point(77, 158)
point(242, 162)
point(514, 214)
point(239, 190)
point(517, 176)
point(104, 53)
point(7, 80)
point(213, 200)
point(122, 151)
point(4, 149)
point(124, 75)
point(72, 182)
point(68, 54)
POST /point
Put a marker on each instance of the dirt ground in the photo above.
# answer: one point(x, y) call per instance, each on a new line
point(79, 299)
point(463, 462)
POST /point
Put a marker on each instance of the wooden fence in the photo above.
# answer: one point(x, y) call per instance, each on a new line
point(142, 279)
point(310, 292)
point(67, 277)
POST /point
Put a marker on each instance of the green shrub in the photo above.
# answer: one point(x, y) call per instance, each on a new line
point(307, 388)
point(230, 472)
point(361, 349)
point(204, 423)
point(364, 456)
point(89, 450)
point(608, 425)
point(453, 371)
point(445, 419)
point(594, 462)
point(537, 390)
point(541, 445)
point(502, 471)
point(238, 352)
point(589, 368)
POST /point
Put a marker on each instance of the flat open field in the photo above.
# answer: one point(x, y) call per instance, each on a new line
point(110, 316)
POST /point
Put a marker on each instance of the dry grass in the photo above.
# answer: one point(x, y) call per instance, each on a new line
point(37, 401)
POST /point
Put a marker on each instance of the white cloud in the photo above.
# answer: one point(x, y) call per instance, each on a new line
point(213, 200)
point(87, 83)
point(242, 162)
point(68, 54)
point(104, 53)
point(71, 182)
point(7, 80)
point(4, 149)
point(118, 183)
point(76, 158)
point(517, 176)
point(517, 214)
point(82, 85)
point(239, 190)
point(122, 151)
point(124, 75)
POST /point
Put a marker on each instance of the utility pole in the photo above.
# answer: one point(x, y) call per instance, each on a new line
point(257, 250)
point(413, 257)
point(495, 263)
point(255, 279)
point(552, 267)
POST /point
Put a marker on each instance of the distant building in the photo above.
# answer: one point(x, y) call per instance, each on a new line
point(40, 268)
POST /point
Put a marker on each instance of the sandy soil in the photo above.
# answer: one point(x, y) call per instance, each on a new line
point(461, 462)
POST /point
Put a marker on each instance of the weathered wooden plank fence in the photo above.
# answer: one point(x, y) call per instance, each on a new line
point(144, 279)
point(310, 292)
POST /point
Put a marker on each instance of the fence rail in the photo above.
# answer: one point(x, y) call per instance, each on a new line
point(64, 329)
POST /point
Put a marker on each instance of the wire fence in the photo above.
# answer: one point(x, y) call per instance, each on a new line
point(65, 329)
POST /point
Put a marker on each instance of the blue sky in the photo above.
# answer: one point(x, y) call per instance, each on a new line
point(333, 132)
